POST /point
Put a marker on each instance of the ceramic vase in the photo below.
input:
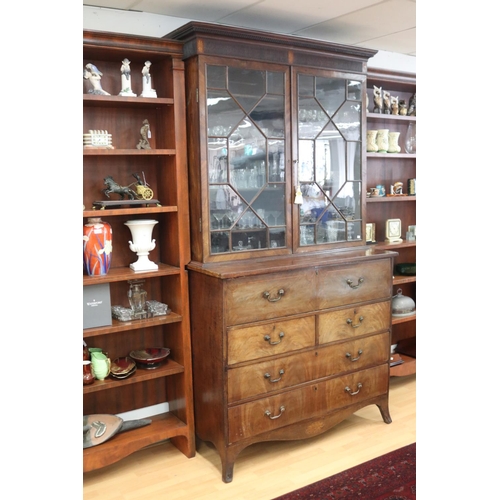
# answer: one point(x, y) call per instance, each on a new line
point(88, 374)
point(383, 140)
point(371, 144)
point(97, 246)
point(393, 142)
point(142, 243)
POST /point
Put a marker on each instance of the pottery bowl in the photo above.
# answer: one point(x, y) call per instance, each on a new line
point(151, 357)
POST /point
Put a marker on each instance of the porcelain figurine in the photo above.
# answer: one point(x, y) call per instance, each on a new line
point(93, 75)
point(394, 105)
point(377, 99)
point(126, 79)
point(147, 91)
point(412, 110)
point(386, 97)
point(403, 110)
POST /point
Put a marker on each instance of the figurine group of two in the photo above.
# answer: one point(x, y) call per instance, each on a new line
point(93, 75)
point(385, 103)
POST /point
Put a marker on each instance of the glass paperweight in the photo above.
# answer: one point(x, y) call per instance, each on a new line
point(122, 313)
point(156, 308)
point(137, 297)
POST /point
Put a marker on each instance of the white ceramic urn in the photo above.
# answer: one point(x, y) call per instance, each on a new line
point(142, 243)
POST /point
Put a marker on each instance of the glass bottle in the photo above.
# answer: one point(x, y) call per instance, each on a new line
point(137, 297)
point(411, 139)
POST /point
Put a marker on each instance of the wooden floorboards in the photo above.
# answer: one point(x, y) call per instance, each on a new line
point(262, 471)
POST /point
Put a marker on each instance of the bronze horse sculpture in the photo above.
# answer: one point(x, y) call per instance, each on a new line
point(114, 187)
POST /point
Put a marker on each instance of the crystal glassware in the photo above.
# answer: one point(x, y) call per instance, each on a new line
point(411, 139)
point(137, 297)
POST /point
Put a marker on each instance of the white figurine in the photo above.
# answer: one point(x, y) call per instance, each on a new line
point(126, 80)
point(147, 91)
point(93, 75)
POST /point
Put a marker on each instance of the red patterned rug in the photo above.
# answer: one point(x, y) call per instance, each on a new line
point(389, 477)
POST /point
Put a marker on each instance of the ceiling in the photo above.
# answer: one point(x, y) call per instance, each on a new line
point(388, 25)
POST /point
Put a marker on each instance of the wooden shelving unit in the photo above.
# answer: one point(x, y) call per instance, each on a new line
point(386, 169)
point(164, 166)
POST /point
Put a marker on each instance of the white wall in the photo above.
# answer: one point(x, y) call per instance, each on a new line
point(141, 23)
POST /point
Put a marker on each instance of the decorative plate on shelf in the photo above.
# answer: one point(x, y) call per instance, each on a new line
point(123, 367)
point(151, 357)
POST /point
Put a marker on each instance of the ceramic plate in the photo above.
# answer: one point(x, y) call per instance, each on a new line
point(126, 375)
point(122, 366)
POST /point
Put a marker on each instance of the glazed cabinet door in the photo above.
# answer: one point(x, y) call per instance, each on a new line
point(246, 115)
point(327, 170)
point(250, 184)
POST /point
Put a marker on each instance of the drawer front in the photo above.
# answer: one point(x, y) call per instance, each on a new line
point(269, 296)
point(287, 371)
point(354, 321)
point(278, 337)
point(263, 415)
point(338, 286)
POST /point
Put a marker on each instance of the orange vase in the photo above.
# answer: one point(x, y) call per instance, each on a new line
point(97, 247)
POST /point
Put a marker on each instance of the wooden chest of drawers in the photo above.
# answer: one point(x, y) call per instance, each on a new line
point(287, 349)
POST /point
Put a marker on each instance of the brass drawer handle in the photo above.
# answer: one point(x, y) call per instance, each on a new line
point(267, 295)
point(348, 355)
point(267, 338)
point(274, 380)
point(349, 322)
point(350, 283)
point(348, 389)
point(267, 413)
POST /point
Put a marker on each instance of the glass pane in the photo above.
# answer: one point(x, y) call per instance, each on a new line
point(247, 159)
point(247, 86)
point(223, 113)
point(275, 83)
point(306, 85)
point(269, 207)
point(348, 201)
point(269, 116)
point(335, 167)
point(306, 161)
point(353, 161)
point(354, 90)
point(217, 160)
point(353, 231)
point(330, 93)
point(219, 242)
point(312, 118)
point(277, 238)
point(216, 77)
point(348, 121)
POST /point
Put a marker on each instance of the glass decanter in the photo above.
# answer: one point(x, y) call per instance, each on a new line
point(137, 297)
